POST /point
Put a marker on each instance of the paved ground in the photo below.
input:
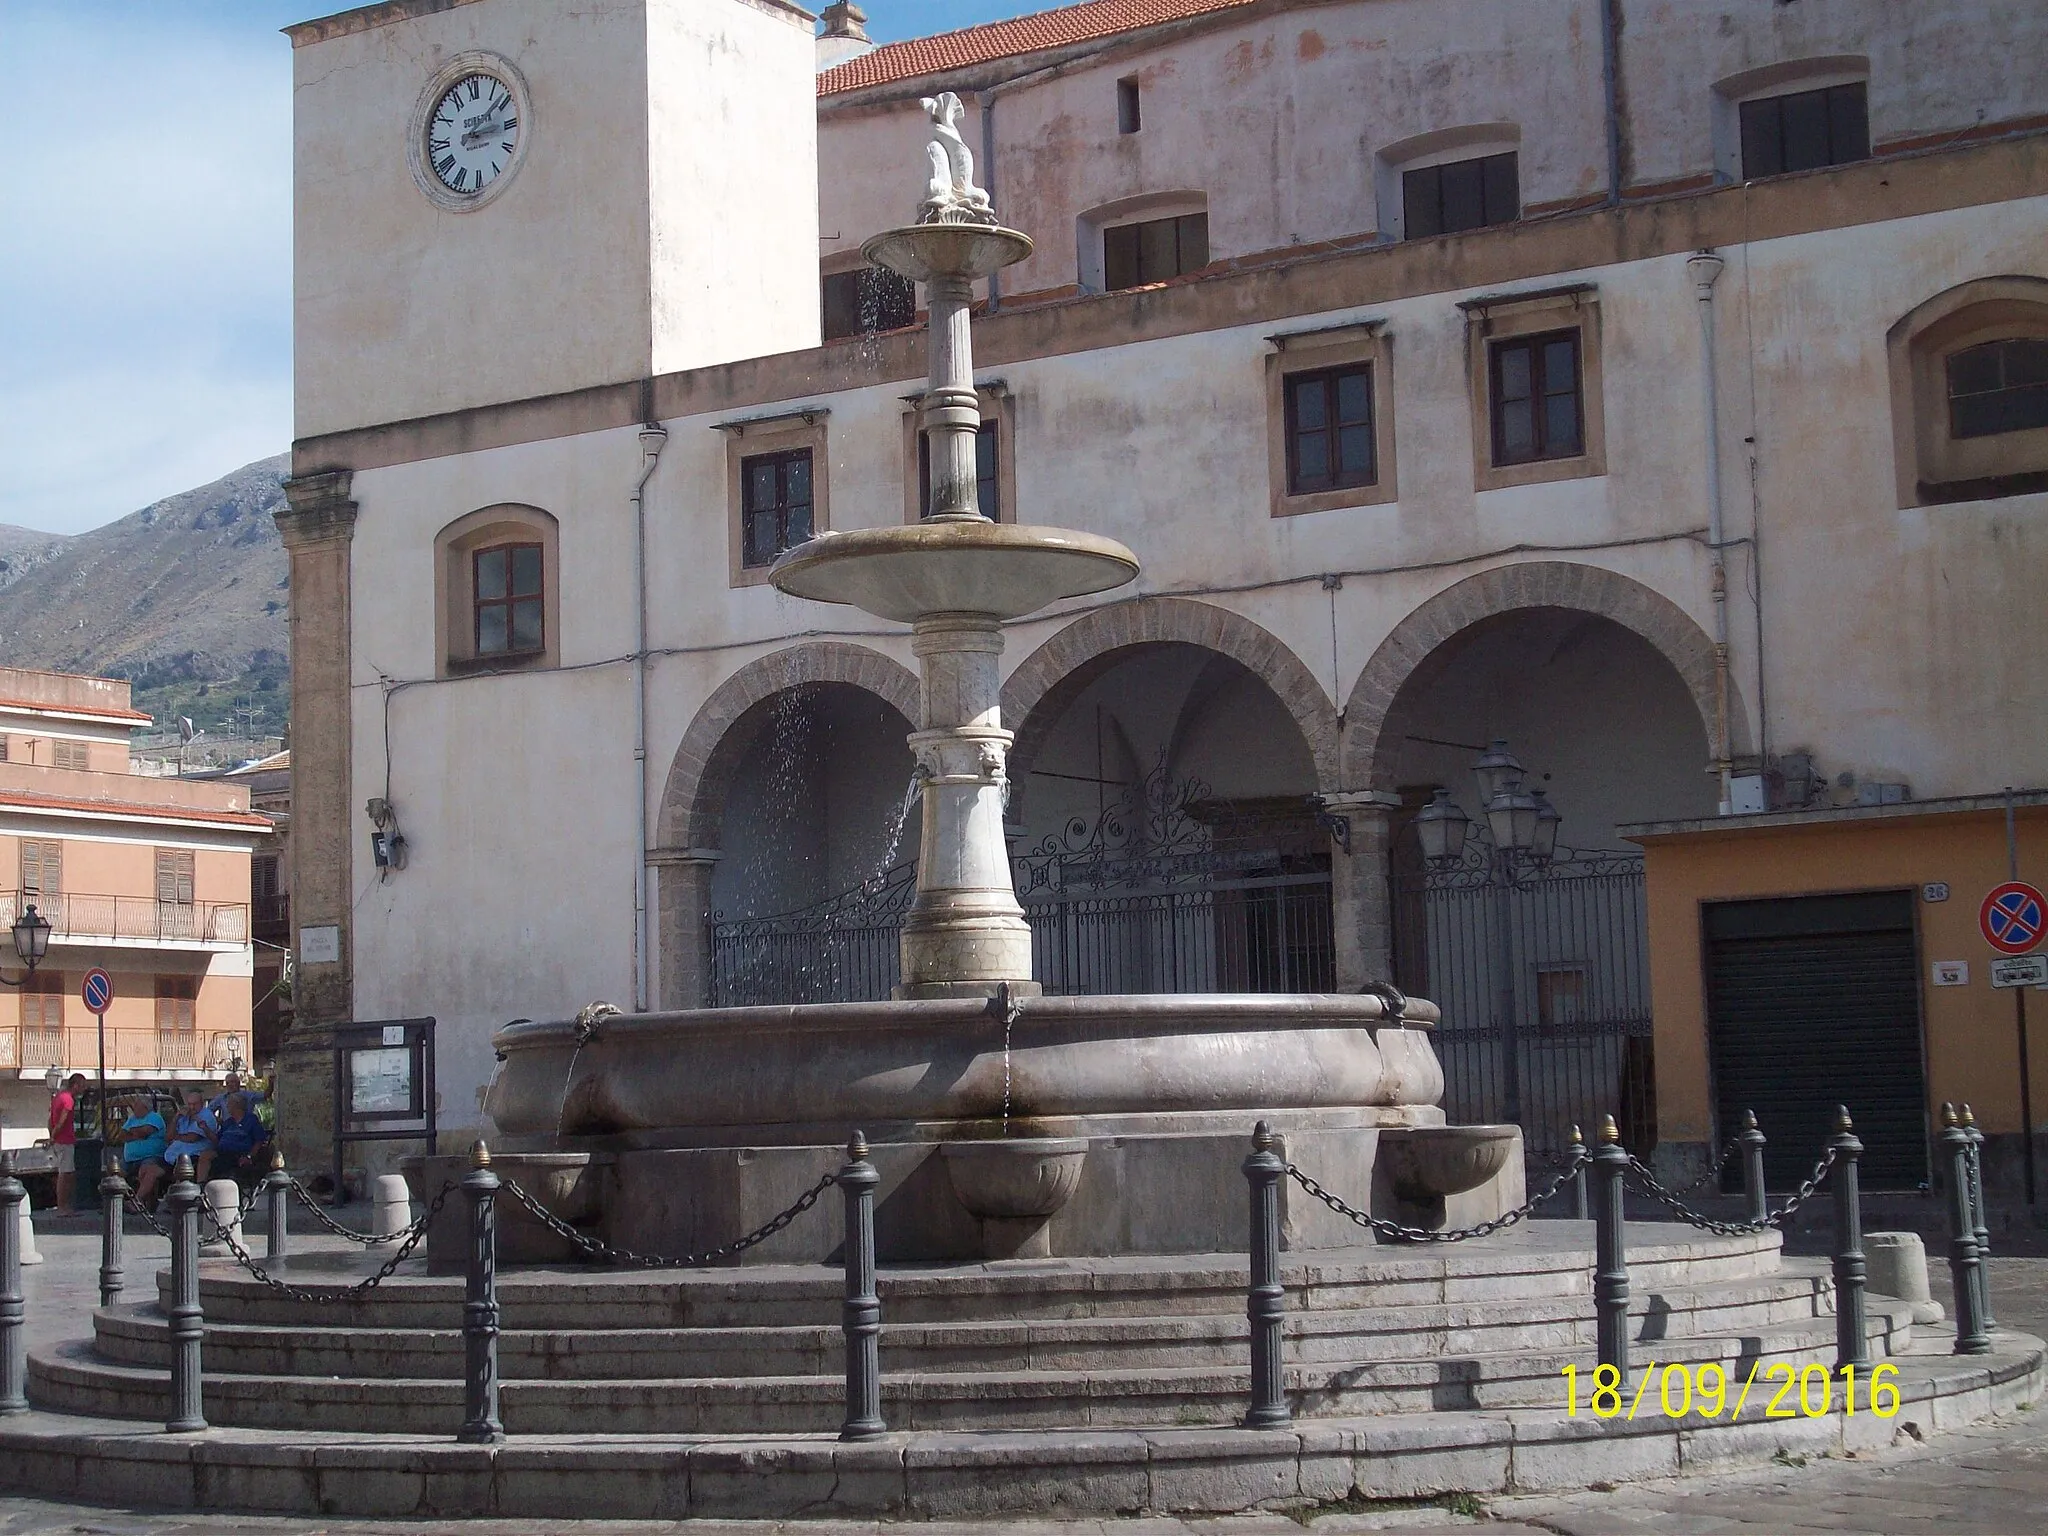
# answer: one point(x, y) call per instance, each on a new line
point(1988, 1481)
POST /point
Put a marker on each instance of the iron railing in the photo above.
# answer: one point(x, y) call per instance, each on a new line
point(85, 916)
point(1542, 974)
point(35, 1047)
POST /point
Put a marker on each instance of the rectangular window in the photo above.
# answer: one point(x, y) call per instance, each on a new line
point(3, 749)
point(1536, 405)
point(1998, 386)
point(510, 609)
point(174, 877)
point(1465, 194)
point(867, 299)
point(70, 754)
point(42, 1019)
point(42, 869)
point(1805, 130)
point(1152, 252)
point(1127, 115)
point(177, 1021)
point(1330, 430)
point(987, 480)
point(775, 504)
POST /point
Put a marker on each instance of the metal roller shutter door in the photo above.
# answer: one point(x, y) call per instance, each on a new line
point(1814, 1002)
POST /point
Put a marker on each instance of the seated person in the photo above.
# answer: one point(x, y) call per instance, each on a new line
point(194, 1134)
point(143, 1138)
point(237, 1137)
point(232, 1084)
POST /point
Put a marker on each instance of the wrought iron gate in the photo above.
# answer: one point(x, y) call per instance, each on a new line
point(1542, 976)
point(1165, 891)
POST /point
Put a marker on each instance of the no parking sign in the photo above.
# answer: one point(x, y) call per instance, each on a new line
point(96, 991)
point(2012, 917)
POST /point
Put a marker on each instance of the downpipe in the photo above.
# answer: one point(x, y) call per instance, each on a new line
point(1705, 268)
point(652, 439)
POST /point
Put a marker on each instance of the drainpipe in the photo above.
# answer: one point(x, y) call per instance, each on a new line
point(652, 437)
point(1704, 268)
point(1610, 90)
point(988, 184)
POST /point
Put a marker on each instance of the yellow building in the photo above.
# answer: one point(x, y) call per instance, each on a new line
point(145, 877)
point(1803, 959)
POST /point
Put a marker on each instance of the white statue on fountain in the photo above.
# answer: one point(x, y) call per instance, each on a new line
point(951, 197)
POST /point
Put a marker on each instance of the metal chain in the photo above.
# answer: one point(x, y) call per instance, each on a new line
point(1784, 1213)
point(611, 1255)
point(1713, 1169)
point(412, 1235)
point(368, 1240)
point(1403, 1234)
point(146, 1214)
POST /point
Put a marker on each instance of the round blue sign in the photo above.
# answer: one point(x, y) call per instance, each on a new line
point(97, 990)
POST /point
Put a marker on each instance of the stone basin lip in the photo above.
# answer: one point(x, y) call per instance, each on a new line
point(1178, 1012)
point(914, 571)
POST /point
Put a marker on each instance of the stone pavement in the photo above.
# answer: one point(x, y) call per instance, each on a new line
point(1991, 1479)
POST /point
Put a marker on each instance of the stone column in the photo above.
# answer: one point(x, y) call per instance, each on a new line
point(965, 932)
point(683, 909)
point(1361, 905)
point(318, 529)
point(952, 410)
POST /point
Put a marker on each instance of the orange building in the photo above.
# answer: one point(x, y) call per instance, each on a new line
point(148, 878)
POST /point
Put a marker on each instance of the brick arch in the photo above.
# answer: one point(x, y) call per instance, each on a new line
point(1674, 634)
point(1071, 659)
point(693, 800)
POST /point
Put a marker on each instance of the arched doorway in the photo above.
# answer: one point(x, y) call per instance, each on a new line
point(1167, 831)
point(786, 794)
point(1540, 964)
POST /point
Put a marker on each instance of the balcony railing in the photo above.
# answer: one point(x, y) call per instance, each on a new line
point(76, 1049)
point(141, 918)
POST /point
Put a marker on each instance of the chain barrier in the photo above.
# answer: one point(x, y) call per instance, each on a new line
point(411, 1234)
point(611, 1255)
point(367, 1239)
point(1396, 1232)
point(1713, 1169)
point(146, 1214)
point(1647, 1182)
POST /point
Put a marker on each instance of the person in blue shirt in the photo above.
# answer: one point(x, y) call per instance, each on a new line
point(143, 1138)
point(236, 1137)
point(194, 1134)
point(216, 1105)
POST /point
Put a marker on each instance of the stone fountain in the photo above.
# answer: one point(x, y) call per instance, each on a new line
point(1004, 1123)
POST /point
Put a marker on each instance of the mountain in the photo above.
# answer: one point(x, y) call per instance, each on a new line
point(185, 599)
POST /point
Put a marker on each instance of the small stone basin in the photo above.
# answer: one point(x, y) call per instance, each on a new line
point(905, 573)
point(1431, 1162)
point(1014, 1187)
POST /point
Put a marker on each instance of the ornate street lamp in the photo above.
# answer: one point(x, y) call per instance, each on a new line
point(1511, 816)
point(1547, 818)
point(1443, 829)
point(1498, 772)
point(31, 943)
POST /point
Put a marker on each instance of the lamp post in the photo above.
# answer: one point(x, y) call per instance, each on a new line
point(1521, 827)
point(31, 943)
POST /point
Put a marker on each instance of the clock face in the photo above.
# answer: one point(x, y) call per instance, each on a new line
point(472, 134)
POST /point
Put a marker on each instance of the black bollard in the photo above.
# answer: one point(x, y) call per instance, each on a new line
point(861, 1313)
point(1753, 1190)
point(1962, 1243)
point(1582, 1209)
point(1852, 1344)
point(277, 1193)
point(1266, 1301)
point(480, 1422)
point(1610, 1272)
point(13, 1306)
point(1982, 1218)
point(188, 1323)
point(113, 1207)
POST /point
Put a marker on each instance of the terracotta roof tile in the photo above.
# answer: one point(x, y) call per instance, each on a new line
point(101, 711)
point(132, 808)
point(1002, 39)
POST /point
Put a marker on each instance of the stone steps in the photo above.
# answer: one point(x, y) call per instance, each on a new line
point(136, 1335)
point(73, 1379)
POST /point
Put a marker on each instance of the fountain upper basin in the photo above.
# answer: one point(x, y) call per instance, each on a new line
point(1004, 570)
point(807, 1072)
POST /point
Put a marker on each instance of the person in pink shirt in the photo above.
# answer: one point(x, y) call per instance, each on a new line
point(64, 1133)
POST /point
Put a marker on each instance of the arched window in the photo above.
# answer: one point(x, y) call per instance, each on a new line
point(1969, 377)
point(497, 598)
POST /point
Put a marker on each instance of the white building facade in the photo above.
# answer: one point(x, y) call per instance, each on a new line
point(1580, 374)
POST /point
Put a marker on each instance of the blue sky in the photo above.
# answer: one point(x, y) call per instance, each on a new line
point(145, 242)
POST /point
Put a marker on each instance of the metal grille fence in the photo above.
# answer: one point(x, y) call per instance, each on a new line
point(1542, 975)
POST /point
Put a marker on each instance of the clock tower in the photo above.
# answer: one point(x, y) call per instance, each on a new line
point(499, 199)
